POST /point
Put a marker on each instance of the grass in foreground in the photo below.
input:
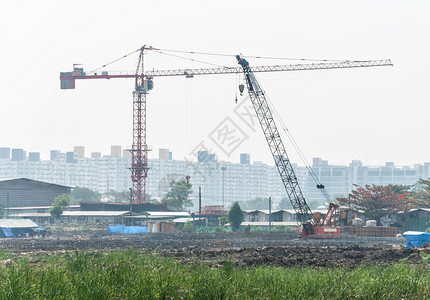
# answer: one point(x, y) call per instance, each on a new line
point(135, 275)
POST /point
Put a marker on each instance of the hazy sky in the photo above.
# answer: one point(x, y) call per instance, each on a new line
point(372, 114)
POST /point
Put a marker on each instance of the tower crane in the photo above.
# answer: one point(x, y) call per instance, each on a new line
point(144, 83)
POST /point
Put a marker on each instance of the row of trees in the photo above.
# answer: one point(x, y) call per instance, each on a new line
point(377, 201)
point(177, 197)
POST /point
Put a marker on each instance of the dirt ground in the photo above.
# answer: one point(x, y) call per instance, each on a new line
point(214, 249)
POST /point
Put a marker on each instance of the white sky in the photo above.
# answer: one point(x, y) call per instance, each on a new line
point(372, 114)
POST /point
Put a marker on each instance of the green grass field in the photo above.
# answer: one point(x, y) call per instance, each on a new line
point(135, 275)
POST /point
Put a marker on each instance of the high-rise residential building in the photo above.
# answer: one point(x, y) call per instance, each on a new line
point(115, 151)
point(80, 151)
point(219, 181)
point(33, 156)
point(71, 157)
point(4, 153)
point(205, 156)
point(164, 154)
point(18, 154)
point(245, 158)
point(96, 154)
point(126, 153)
point(54, 154)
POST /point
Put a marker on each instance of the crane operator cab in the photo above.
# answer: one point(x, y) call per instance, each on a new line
point(145, 86)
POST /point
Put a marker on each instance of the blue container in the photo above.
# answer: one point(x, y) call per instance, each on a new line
point(415, 239)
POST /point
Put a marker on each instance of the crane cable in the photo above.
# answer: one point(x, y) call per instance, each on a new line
point(163, 51)
point(258, 57)
point(192, 59)
point(320, 186)
point(122, 57)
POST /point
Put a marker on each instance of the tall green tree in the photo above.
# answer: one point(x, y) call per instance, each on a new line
point(235, 216)
point(377, 201)
point(58, 206)
point(178, 195)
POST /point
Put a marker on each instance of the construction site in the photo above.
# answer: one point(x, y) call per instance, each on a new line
point(225, 150)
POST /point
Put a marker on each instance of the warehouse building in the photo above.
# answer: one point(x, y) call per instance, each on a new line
point(23, 192)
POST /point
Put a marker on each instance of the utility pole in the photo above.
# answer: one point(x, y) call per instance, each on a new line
point(200, 203)
point(270, 213)
point(223, 183)
point(7, 206)
point(131, 200)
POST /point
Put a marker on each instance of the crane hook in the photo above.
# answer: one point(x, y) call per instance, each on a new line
point(241, 88)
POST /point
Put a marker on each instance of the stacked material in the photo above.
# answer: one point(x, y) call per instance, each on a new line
point(377, 231)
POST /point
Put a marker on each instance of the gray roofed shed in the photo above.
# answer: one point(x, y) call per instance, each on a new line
point(17, 223)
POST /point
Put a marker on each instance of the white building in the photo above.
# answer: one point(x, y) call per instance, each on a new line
point(221, 182)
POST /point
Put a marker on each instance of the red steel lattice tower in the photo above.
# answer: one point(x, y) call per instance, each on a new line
point(139, 150)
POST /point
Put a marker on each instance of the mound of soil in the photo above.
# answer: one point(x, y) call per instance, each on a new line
point(99, 240)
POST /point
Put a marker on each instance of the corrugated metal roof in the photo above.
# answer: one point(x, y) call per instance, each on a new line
point(28, 179)
point(40, 207)
point(166, 213)
point(267, 224)
point(416, 209)
point(291, 211)
point(17, 223)
point(182, 220)
point(79, 214)
point(266, 211)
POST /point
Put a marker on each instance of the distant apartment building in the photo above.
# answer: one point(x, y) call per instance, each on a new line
point(18, 154)
point(339, 180)
point(4, 153)
point(164, 154)
point(220, 181)
point(96, 154)
point(115, 151)
point(80, 151)
point(33, 156)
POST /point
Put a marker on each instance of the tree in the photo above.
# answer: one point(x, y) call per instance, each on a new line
point(235, 216)
point(117, 197)
point(257, 203)
point(377, 201)
point(285, 204)
point(81, 194)
point(188, 227)
point(177, 196)
point(58, 206)
point(421, 193)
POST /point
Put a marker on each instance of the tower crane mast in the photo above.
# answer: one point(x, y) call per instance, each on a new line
point(144, 83)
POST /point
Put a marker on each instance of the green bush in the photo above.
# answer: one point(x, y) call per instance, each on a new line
point(188, 227)
point(220, 229)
